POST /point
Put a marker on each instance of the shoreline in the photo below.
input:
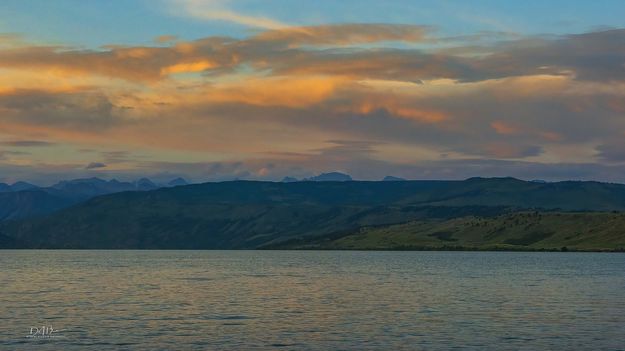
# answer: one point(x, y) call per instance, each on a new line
point(421, 249)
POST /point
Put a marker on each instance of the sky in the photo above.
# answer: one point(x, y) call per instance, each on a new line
point(218, 90)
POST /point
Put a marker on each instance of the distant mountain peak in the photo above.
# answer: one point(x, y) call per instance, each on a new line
point(145, 184)
point(392, 179)
point(80, 181)
point(88, 180)
point(331, 177)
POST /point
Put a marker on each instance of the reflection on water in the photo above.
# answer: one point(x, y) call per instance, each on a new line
point(242, 300)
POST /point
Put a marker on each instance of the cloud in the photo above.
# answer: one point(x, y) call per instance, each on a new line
point(287, 51)
point(217, 10)
point(83, 109)
point(167, 38)
point(10, 39)
point(509, 151)
point(343, 34)
point(217, 54)
point(353, 148)
point(314, 98)
point(26, 143)
point(613, 152)
point(594, 56)
point(95, 165)
point(116, 156)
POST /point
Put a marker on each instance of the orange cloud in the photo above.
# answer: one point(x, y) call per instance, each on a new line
point(343, 34)
point(421, 115)
point(505, 128)
point(294, 92)
point(187, 67)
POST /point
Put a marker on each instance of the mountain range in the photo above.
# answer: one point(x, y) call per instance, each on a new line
point(323, 177)
point(24, 200)
point(332, 177)
point(254, 214)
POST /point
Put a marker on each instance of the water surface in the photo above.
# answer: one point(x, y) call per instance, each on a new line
point(305, 300)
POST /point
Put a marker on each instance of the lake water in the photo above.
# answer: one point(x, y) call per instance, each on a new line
point(305, 300)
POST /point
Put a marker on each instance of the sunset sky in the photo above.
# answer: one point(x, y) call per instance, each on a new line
point(218, 90)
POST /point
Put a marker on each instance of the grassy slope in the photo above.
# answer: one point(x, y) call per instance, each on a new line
point(517, 231)
point(169, 225)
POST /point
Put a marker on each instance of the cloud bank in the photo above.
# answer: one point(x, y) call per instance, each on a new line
point(368, 98)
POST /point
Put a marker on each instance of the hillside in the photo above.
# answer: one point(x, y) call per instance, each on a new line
point(24, 200)
point(246, 214)
point(30, 203)
point(513, 231)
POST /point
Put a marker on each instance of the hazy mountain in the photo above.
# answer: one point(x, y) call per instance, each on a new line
point(288, 179)
point(89, 187)
point(331, 177)
point(177, 182)
point(392, 179)
point(19, 186)
point(144, 184)
point(247, 214)
point(24, 200)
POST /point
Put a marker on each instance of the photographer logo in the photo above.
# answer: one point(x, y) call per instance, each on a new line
point(44, 332)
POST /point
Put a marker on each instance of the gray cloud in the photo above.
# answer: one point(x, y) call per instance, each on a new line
point(612, 152)
point(84, 110)
point(27, 143)
point(95, 165)
point(116, 156)
point(596, 56)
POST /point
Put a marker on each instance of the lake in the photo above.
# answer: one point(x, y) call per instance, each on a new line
point(311, 300)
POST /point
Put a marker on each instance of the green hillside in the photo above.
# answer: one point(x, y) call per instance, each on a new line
point(245, 214)
point(514, 231)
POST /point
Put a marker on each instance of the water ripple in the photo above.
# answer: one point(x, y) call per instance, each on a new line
point(255, 300)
